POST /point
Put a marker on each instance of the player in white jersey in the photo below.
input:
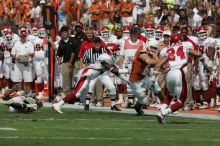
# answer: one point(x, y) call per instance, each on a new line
point(39, 64)
point(127, 54)
point(177, 57)
point(103, 64)
point(9, 42)
point(206, 86)
point(117, 41)
point(20, 103)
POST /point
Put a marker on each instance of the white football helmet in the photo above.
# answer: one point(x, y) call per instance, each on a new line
point(149, 30)
point(5, 29)
point(34, 30)
point(105, 33)
point(126, 31)
point(105, 58)
point(42, 32)
point(159, 32)
point(8, 38)
point(202, 33)
point(152, 46)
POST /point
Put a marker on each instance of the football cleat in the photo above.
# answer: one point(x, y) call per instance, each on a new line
point(115, 108)
point(129, 105)
point(161, 118)
point(86, 107)
point(57, 108)
point(138, 109)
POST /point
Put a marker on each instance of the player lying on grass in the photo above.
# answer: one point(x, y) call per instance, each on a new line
point(104, 63)
point(18, 102)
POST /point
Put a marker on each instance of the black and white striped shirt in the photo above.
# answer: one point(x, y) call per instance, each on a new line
point(91, 55)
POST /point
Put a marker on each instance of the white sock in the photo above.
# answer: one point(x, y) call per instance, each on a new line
point(61, 103)
point(87, 101)
point(166, 111)
point(113, 102)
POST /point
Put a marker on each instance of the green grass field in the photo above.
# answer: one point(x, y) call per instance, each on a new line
point(92, 128)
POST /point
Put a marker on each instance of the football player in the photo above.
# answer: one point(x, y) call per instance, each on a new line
point(103, 64)
point(176, 86)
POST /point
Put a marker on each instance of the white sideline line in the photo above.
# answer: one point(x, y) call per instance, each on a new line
point(141, 128)
point(114, 120)
point(107, 138)
point(8, 129)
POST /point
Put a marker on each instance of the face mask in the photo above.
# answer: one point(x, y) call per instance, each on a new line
point(184, 37)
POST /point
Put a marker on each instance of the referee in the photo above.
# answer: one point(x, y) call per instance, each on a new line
point(90, 56)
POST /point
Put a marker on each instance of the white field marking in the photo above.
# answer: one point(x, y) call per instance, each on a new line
point(7, 129)
point(114, 120)
point(114, 128)
point(107, 138)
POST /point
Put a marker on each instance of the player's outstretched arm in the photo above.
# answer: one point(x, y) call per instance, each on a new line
point(118, 72)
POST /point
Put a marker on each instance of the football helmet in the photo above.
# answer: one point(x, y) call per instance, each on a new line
point(42, 32)
point(149, 30)
point(152, 46)
point(105, 58)
point(126, 31)
point(202, 33)
point(22, 31)
point(105, 32)
point(8, 37)
point(159, 32)
point(176, 38)
point(34, 30)
point(5, 29)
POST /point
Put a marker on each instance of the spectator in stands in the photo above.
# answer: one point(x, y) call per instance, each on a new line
point(105, 11)
point(139, 7)
point(126, 12)
point(95, 12)
point(36, 12)
point(61, 14)
point(174, 17)
point(158, 17)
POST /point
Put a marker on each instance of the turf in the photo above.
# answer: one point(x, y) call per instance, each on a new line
point(92, 128)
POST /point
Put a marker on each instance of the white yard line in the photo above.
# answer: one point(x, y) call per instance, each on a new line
point(7, 129)
point(113, 128)
point(106, 138)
